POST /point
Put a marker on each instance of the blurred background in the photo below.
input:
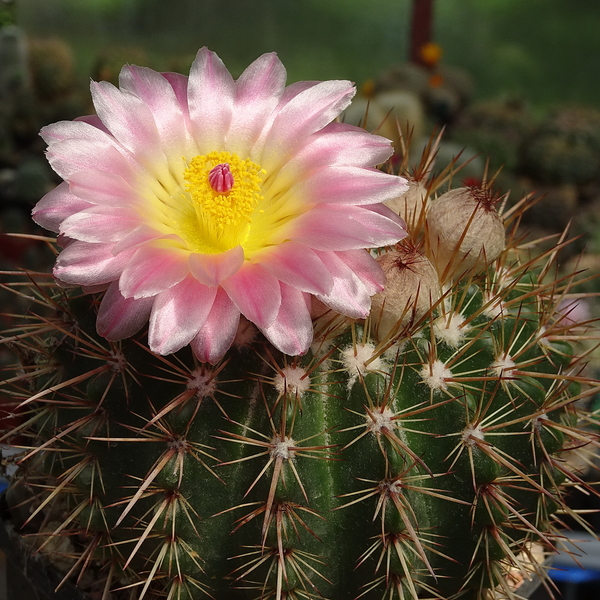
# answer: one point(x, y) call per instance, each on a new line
point(547, 51)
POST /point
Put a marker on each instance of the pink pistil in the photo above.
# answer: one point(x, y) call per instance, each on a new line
point(220, 178)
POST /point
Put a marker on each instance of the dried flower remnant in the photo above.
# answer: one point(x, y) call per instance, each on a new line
point(412, 205)
point(412, 288)
point(465, 232)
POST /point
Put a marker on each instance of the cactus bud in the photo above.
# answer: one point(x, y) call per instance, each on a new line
point(412, 288)
point(412, 204)
point(465, 233)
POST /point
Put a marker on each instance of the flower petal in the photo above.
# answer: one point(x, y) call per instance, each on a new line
point(70, 156)
point(349, 185)
point(136, 237)
point(159, 96)
point(305, 113)
point(82, 263)
point(211, 269)
point(349, 295)
point(256, 294)
point(178, 314)
point(329, 227)
point(119, 317)
point(210, 101)
point(128, 119)
point(153, 269)
point(100, 187)
point(339, 144)
point(179, 83)
point(94, 121)
point(257, 94)
point(56, 206)
point(298, 266)
point(99, 224)
point(218, 332)
point(292, 330)
point(366, 268)
point(89, 129)
point(336, 145)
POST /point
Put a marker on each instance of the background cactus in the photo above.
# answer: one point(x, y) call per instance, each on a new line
point(565, 148)
point(426, 460)
point(497, 129)
point(52, 67)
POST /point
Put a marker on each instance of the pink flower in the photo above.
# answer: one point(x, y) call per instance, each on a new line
point(194, 200)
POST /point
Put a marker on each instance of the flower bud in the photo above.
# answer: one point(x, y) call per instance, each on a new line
point(412, 205)
point(411, 289)
point(465, 233)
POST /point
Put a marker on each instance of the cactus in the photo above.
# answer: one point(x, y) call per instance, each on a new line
point(496, 129)
point(424, 460)
point(419, 452)
point(52, 68)
point(565, 148)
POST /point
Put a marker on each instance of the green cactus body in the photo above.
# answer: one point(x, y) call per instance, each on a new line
point(420, 466)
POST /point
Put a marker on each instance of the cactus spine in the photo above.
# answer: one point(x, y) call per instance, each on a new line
point(416, 461)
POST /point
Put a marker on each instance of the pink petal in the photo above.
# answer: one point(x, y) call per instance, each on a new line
point(340, 144)
point(100, 224)
point(388, 213)
point(62, 241)
point(120, 318)
point(128, 119)
point(292, 330)
point(210, 101)
point(95, 121)
point(257, 94)
point(337, 144)
point(82, 263)
point(179, 83)
point(329, 227)
point(349, 185)
point(67, 157)
point(56, 206)
point(218, 332)
point(160, 98)
point(100, 187)
point(256, 294)
point(138, 236)
point(366, 268)
point(153, 269)
point(349, 295)
point(293, 90)
point(178, 314)
point(89, 129)
point(298, 266)
point(305, 113)
point(211, 269)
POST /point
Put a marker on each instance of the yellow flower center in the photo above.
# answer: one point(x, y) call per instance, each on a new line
point(225, 192)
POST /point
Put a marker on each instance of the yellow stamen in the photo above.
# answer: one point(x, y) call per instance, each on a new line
point(222, 218)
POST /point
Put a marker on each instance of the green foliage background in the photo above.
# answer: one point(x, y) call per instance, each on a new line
point(545, 50)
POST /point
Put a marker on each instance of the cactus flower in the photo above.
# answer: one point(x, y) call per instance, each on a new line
point(193, 200)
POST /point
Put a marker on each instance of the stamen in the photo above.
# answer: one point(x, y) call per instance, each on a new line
point(224, 191)
point(221, 178)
